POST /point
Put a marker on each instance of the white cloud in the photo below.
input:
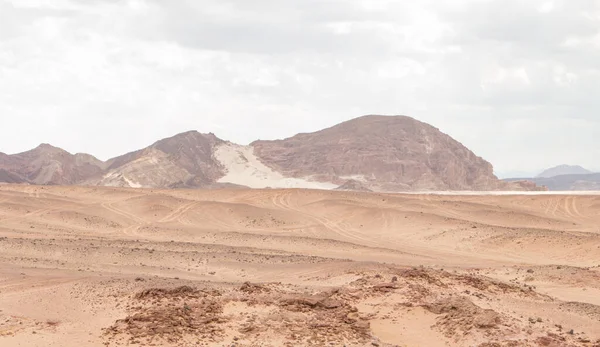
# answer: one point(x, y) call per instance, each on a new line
point(515, 81)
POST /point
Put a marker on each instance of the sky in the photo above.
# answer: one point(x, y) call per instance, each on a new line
point(517, 82)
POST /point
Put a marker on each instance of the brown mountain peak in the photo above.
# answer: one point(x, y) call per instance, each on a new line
point(47, 164)
point(377, 118)
point(190, 138)
point(384, 152)
point(182, 160)
point(378, 123)
point(46, 148)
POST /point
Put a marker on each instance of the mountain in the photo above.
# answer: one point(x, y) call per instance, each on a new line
point(184, 160)
point(564, 178)
point(378, 153)
point(386, 153)
point(49, 165)
point(581, 182)
point(563, 170)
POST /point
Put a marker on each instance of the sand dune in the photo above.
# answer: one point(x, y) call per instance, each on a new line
point(83, 266)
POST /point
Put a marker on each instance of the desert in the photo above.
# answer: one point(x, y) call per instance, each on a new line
point(234, 173)
point(113, 266)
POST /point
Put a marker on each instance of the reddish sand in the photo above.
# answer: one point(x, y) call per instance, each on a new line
point(86, 266)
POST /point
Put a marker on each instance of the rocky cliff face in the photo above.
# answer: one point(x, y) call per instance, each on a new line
point(375, 153)
point(385, 153)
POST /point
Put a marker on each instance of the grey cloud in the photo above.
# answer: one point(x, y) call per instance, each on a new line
point(516, 37)
point(520, 22)
point(266, 27)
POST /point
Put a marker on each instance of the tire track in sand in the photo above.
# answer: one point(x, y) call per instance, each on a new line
point(281, 200)
point(131, 230)
point(178, 212)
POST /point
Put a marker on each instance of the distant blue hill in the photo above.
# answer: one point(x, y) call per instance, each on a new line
point(562, 170)
point(578, 182)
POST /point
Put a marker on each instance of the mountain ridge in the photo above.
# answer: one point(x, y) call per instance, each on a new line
point(47, 164)
point(380, 153)
point(574, 182)
point(563, 169)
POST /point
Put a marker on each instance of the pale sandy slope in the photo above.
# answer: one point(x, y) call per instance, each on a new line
point(335, 268)
point(242, 167)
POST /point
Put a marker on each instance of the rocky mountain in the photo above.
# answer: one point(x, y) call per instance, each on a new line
point(563, 170)
point(377, 153)
point(566, 182)
point(184, 160)
point(385, 153)
point(49, 165)
point(564, 178)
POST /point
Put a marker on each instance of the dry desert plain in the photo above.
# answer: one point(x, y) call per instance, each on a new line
point(86, 266)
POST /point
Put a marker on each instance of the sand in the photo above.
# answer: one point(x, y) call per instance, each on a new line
point(90, 266)
point(244, 168)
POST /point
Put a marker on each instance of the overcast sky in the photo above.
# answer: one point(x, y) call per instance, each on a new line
point(518, 82)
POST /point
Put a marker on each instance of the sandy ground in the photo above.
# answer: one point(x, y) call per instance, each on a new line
point(86, 266)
